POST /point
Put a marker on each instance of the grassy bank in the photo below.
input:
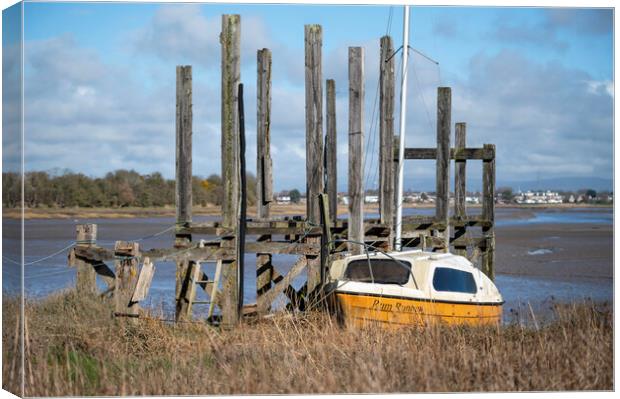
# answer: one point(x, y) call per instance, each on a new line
point(76, 348)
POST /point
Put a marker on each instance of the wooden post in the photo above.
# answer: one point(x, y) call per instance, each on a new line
point(460, 188)
point(86, 279)
point(126, 264)
point(264, 190)
point(331, 150)
point(314, 121)
point(230, 40)
point(313, 38)
point(184, 145)
point(326, 238)
point(183, 182)
point(356, 142)
point(444, 100)
point(386, 134)
point(264, 179)
point(488, 213)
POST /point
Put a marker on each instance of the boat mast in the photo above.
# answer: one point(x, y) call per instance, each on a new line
point(401, 138)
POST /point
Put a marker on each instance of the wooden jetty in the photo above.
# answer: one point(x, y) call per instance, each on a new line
point(317, 237)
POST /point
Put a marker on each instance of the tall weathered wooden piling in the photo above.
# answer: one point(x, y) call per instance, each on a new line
point(444, 104)
point(356, 142)
point(331, 151)
point(460, 188)
point(183, 126)
point(313, 37)
point(230, 39)
point(86, 279)
point(488, 212)
point(386, 134)
point(264, 179)
point(314, 120)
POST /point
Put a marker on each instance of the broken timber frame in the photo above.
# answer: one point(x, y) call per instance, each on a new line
point(314, 238)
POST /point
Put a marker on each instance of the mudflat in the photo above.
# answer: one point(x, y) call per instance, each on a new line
point(566, 251)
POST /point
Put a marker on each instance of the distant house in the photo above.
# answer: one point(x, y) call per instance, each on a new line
point(283, 199)
point(371, 199)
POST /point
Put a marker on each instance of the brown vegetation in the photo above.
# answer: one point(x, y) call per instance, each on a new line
point(76, 348)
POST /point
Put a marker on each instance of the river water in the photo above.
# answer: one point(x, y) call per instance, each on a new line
point(43, 275)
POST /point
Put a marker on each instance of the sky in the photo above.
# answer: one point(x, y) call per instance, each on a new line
point(99, 85)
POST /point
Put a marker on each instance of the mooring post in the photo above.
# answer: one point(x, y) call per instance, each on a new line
point(230, 40)
point(264, 179)
point(126, 256)
point(331, 151)
point(86, 276)
point(386, 134)
point(444, 104)
point(313, 42)
point(184, 121)
point(356, 154)
point(460, 188)
point(488, 212)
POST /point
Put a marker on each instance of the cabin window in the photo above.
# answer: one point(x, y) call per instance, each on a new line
point(453, 280)
point(381, 271)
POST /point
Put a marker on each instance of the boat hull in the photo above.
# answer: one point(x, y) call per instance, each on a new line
point(357, 309)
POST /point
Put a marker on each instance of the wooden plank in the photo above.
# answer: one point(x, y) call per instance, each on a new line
point(272, 294)
point(283, 248)
point(313, 42)
point(331, 149)
point(264, 180)
point(460, 188)
point(184, 145)
point(464, 154)
point(144, 281)
point(444, 106)
point(230, 40)
point(126, 264)
point(356, 143)
point(386, 133)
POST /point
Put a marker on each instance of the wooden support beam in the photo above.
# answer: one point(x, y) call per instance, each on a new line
point(464, 154)
point(488, 213)
point(356, 152)
point(86, 276)
point(313, 37)
point(264, 179)
point(386, 134)
point(184, 145)
point(460, 188)
point(230, 39)
point(272, 294)
point(444, 104)
point(331, 151)
point(126, 265)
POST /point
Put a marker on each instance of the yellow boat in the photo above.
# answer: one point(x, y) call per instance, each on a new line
point(413, 287)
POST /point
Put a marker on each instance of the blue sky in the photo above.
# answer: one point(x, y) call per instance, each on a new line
point(99, 81)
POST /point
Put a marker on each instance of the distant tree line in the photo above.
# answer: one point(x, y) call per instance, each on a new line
point(122, 188)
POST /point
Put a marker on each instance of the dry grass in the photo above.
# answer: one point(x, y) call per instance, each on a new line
point(76, 348)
